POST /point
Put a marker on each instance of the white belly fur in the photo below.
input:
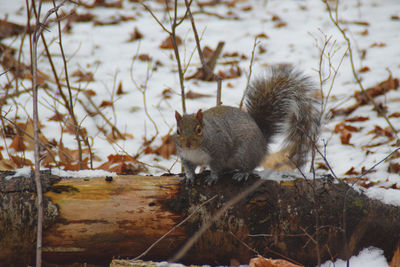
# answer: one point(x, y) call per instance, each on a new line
point(197, 156)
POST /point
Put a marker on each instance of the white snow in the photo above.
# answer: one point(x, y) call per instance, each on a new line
point(22, 172)
point(368, 257)
point(82, 173)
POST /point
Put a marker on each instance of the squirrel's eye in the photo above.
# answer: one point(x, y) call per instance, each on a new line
point(199, 129)
point(178, 132)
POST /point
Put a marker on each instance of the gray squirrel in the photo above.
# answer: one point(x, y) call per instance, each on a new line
point(227, 139)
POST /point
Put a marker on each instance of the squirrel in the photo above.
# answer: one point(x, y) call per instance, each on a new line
point(227, 138)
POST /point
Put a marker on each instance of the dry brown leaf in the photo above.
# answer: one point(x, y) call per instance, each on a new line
point(233, 72)
point(364, 69)
point(345, 137)
point(167, 147)
point(120, 91)
point(395, 115)
point(341, 126)
point(263, 262)
point(123, 164)
point(7, 164)
point(167, 93)
point(18, 143)
point(57, 117)
point(106, 103)
point(379, 131)
point(378, 45)
point(90, 92)
point(358, 118)
point(394, 167)
point(136, 35)
point(395, 262)
point(20, 162)
point(167, 43)
point(8, 29)
point(75, 17)
point(192, 95)
point(83, 76)
point(107, 4)
point(352, 171)
point(262, 36)
point(144, 57)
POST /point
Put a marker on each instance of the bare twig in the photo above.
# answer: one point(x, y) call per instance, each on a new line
point(172, 34)
point(70, 104)
point(250, 70)
point(37, 32)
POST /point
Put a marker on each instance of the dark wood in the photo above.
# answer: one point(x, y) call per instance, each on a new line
point(93, 220)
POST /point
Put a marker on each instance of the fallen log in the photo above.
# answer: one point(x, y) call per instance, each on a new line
point(95, 220)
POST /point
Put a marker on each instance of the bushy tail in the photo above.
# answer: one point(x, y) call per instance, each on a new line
point(283, 102)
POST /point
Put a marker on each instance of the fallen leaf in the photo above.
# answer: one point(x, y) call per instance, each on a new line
point(57, 117)
point(76, 17)
point(90, 92)
point(168, 44)
point(207, 53)
point(18, 143)
point(106, 103)
point(120, 91)
point(262, 36)
point(192, 95)
point(378, 45)
point(394, 167)
point(166, 93)
point(355, 119)
point(136, 35)
point(395, 262)
point(345, 137)
point(144, 57)
point(395, 115)
point(379, 131)
point(352, 172)
point(123, 164)
point(20, 162)
point(83, 76)
point(263, 262)
point(167, 148)
point(341, 126)
point(364, 69)
point(233, 72)
point(8, 29)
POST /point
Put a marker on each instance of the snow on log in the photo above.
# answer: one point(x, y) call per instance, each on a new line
point(95, 220)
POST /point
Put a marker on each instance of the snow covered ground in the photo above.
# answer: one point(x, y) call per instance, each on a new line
point(289, 32)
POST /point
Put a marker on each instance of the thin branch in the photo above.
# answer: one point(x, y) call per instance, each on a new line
point(37, 32)
point(250, 70)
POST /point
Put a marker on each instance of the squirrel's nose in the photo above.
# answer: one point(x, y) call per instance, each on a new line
point(188, 144)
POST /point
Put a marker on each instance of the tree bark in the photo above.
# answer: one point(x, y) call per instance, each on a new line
point(97, 219)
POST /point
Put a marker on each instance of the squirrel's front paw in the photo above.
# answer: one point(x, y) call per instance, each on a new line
point(211, 179)
point(240, 176)
point(189, 179)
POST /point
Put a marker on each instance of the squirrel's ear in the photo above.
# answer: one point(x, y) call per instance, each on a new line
point(178, 116)
point(199, 115)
